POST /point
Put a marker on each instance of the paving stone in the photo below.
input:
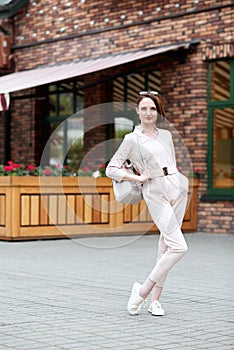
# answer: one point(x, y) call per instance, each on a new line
point(58, 294)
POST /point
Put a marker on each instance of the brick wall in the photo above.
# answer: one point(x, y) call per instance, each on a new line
point(60, 33)
point(23, 130)
point(186, 107)
point(95, 122)
point(53, 36)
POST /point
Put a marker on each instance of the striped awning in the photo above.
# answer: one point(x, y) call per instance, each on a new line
point(49, 74)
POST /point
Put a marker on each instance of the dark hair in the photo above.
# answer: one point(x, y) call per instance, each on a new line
point(158, 104)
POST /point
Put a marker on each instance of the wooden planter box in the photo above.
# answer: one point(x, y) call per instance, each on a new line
point(56, 207)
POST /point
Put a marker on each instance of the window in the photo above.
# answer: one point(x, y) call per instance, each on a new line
point(221, 129)
point(64, 100)
point(67, 98)
point(125, 89)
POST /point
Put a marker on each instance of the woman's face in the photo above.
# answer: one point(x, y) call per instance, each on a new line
point(147, 112)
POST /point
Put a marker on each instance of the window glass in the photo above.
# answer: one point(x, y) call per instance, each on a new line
point(56, 145)
point(75, 142)
point(53, 101)
point(123, 126)
point(223, 146)
point(118, 89)
point(66, 104)
point(220, 80)
point(136, 83)
point(66, 142)
point(154, 80)
point(79, 102)
point(66, 145)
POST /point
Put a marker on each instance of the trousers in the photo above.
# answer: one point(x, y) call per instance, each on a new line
point(166, 198)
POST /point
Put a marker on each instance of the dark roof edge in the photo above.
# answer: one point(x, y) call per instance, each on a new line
point(12, 8)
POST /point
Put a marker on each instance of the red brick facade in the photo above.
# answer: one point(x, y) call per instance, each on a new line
point(51, 32)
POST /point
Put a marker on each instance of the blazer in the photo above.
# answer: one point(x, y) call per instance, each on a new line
point(131, 149)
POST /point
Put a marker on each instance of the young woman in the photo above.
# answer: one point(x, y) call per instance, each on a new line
point(164, 190)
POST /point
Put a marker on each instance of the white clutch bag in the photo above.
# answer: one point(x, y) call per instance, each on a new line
point(127, 192)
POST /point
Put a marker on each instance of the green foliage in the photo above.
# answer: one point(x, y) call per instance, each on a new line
point(75, 156)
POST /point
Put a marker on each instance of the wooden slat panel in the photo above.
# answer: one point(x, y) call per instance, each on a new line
point(187, 215)
point(88, 208)
point(148, 216)
point(25, 210)
point(44, 207)
point(34, 209)
point(70, 209)
point(62, 211)
point(127, 214)
point(135, 212)
point(96, 215)
point(79, 209)
point(143, 211)
point(105, 208)
point(2, 210)
point(53, 205)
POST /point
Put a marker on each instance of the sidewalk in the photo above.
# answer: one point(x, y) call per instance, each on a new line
point(63, 294)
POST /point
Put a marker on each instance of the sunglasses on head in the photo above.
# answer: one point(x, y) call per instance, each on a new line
point(142, 93)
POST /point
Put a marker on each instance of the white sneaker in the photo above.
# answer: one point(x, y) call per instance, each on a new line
point(156, 309)
point(135, 301)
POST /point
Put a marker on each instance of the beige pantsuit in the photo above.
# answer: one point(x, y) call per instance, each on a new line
point(165, 196)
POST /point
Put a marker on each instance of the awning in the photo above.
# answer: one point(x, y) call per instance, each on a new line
point(45, 75)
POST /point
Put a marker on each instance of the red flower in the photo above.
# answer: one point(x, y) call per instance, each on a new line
point(103, 166)
point(47, 171)
point(16, 166)
point(11, 166)
point(31, 167)
point(85, 168)
point(8, 168)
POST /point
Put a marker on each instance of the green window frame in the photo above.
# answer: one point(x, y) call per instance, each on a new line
point(220, 110)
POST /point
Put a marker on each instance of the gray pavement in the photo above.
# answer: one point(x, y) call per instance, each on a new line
point(65, 294)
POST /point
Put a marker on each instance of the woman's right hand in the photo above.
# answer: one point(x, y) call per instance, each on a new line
point(145, 176)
